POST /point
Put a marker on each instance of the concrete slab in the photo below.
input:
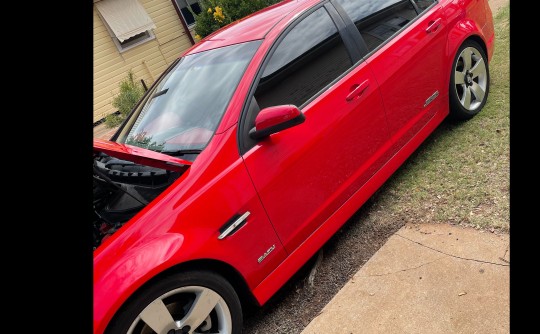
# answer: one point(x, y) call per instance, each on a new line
point(428, 278)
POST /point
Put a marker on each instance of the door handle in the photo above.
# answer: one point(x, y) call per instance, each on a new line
point(357, 90)
point(434, 25)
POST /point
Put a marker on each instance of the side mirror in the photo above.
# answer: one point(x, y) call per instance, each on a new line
point(274, 119)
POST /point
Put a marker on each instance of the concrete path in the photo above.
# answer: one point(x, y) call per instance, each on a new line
point(428, 278)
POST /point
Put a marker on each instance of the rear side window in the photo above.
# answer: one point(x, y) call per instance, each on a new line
point(308, 58)
point(378, 20)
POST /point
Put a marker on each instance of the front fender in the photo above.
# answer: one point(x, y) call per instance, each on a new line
point(115, 282)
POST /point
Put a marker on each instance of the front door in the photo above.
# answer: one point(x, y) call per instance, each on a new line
point(305, 173)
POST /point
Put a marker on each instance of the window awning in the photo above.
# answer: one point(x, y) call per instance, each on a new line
point(126, 18)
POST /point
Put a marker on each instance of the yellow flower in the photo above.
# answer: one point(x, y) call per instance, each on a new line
point(198, 37)
point(210, 10)
point(218, 14)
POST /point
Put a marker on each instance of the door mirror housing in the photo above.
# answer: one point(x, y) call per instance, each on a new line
point(274, 119)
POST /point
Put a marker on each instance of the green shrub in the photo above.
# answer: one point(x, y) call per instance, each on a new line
point(218, 13)
point(130, 93)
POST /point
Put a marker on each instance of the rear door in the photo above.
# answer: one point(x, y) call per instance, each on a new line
point(405, 42)
point(305, 173)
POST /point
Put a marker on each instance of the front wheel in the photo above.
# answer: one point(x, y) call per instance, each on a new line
point(469, 83)
point(192, 302)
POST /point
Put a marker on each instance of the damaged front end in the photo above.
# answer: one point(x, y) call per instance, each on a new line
point(126, 179)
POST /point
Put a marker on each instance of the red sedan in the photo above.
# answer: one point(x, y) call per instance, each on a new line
point(256, 146)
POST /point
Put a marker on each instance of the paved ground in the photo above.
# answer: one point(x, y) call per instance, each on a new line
point(428, 278)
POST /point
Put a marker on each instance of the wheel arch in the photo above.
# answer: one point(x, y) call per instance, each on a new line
point(221, 268)
point(459, 33)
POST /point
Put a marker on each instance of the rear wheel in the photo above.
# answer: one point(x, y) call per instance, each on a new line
point(191, 302)
point(469, 83)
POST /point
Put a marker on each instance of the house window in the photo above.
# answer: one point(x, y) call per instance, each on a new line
point(127, 22)
point(186, 13)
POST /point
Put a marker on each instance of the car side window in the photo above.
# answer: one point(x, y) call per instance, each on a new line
point(307, 59)
point(378, 20)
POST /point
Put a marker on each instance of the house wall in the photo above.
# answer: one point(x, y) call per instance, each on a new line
point(147, 60)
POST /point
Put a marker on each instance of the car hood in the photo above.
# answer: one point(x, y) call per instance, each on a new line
point(140, 155)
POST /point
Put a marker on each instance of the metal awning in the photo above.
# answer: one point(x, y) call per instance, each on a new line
point(126, 18)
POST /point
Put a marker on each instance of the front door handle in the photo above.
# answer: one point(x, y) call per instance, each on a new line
point(357, 90)
point(434, 25)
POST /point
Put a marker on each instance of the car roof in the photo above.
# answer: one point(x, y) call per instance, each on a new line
point(249, 28)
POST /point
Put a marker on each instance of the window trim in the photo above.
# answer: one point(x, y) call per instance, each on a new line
point(183, 22)
point(182, 17)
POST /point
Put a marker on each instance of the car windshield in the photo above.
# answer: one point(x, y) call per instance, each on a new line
point(184, 108)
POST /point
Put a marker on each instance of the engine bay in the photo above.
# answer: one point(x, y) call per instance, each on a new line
point(121, 189)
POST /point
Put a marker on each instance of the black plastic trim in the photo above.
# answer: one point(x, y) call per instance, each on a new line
point(348, 40)
point(230, 222)
point(280, 127)
point(353, 32)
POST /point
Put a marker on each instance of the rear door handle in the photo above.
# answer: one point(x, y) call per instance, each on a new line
point(434, 25)
point(357, 90)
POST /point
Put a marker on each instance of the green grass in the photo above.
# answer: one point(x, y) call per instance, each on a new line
point(460, 175)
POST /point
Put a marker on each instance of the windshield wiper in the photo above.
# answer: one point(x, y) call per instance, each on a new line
point(181, 152)
point(160, 93)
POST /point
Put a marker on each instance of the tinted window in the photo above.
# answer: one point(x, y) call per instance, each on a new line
point(378, 20)
point(310, 57)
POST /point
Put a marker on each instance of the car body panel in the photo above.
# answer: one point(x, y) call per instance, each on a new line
point(140, 155)
point(461, 27)
point(190, 216)
point(250, 29)
point(299, 185)
point(315, 241)
point(316, 166)
point(410, 70)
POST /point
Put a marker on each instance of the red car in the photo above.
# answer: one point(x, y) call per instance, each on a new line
point(258, 144)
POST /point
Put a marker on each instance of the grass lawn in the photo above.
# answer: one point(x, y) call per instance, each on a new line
point(460, 175)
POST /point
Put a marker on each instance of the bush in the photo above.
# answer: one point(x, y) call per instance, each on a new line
point(130, 93)
point(218, 13)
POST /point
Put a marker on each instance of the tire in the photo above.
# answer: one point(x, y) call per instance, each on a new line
point(469, 81)
point(186, 297)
